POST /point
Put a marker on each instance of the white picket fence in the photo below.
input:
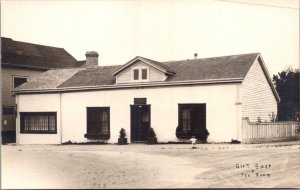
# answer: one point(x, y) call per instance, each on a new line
point(269, 131)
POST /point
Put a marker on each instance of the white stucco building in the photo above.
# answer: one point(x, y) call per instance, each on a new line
point(178, 99)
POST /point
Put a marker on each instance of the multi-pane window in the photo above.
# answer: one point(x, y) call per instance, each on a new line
point(17, 81)
point(38, 122)
point(104, 122)
point(135, 74)
point(186, 119)
point(140, 74)
point(144, 74)
point(98, 123)
point(191, 120)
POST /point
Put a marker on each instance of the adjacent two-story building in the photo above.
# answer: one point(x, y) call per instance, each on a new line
point(19, 62)
point(178, 99)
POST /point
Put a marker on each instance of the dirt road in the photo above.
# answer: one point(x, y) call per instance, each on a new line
point(146, 166)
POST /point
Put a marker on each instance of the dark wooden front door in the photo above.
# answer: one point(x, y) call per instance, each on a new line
point(140, 122)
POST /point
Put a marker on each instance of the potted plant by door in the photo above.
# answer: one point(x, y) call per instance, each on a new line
point(202, 136)
point(152, 136)
point(122, 140)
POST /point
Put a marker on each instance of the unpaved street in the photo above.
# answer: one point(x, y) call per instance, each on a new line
point(151, 166)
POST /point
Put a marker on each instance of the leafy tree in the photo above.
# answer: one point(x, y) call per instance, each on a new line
point(287, 86)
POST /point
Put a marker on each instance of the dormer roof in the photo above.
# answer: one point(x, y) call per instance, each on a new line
point(158, 65)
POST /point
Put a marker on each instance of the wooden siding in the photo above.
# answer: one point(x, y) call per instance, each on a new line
point(124, 77)
point(258, 99)
point(7, 86)
point(7, 83)
point(154, 74)
point(269, 132)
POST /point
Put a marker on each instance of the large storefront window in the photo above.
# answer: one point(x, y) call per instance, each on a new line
point(38, 122)
point(98, 123)
point(191, 121)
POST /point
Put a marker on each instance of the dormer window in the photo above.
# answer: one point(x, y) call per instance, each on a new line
point(140, 74)
point(144, 74)
point(135, 74)
point(139, 70)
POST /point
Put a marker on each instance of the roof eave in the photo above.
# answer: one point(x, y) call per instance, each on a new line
point(127, 85)
point(124, 66)
point(266, 72)
point(24, 66)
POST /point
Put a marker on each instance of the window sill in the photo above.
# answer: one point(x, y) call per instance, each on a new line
point(189, 134)
point(38, 132)
point(140, 81)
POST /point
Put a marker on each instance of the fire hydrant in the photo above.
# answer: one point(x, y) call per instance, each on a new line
point(193, 140)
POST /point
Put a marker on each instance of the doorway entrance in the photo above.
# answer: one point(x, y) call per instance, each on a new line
point(140, 122)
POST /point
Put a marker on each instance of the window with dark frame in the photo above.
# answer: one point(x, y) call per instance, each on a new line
point(8, 110)
point(38, 122)
point(19, 81)
point(135, 74)
point(144, 74)
point(140, 100)
point(191, 120)
point(98, 123)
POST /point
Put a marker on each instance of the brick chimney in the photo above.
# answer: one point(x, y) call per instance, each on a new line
point(91, 59)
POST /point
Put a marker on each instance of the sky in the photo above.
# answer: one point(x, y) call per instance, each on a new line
point(160, 30)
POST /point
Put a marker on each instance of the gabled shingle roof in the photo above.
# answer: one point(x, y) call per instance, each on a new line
point(22, 54)
point(101, 75)
point(216, 68)
point(226, 67)
point(49, 79)
point(159, 64)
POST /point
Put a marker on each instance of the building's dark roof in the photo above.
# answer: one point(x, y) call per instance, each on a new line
point(92, 77)
point(28, 55)
point(216, 68)
point(81, 63)
point(159, 64)
point(49, 79)
point(226, 67)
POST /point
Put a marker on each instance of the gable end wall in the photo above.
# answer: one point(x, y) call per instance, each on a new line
point(154, 74)
point(258, 99)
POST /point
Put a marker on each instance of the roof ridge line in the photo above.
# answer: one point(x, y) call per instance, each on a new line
point(208, 57)
point(32, 43)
